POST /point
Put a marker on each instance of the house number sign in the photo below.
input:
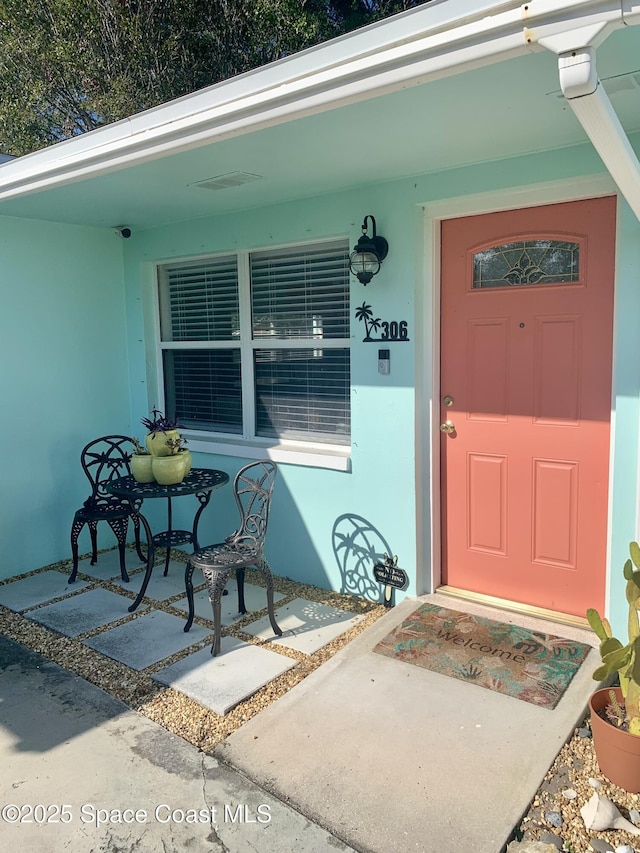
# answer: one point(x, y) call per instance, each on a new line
point(389, 330)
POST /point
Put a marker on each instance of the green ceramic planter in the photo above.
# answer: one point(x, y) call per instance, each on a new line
point(141, 469)
point(168, 470)
point(156, 442)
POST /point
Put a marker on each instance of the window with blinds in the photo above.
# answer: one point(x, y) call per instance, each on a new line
point(199, 300)
point(265, 357)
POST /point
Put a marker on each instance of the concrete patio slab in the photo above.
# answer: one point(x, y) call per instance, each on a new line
point(255, 598)
point(81, 613)
point(365, 746)
point(108, 565)
point(160, 587)
point(37, 589)
point(411, 759)
point(306, 625)
point(146, 640)
point(64, 741)
point(220, 682)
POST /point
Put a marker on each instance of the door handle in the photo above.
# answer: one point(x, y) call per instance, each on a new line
point(448, 427)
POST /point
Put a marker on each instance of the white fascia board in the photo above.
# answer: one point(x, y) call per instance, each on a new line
point(579, 25)
point(427, 43)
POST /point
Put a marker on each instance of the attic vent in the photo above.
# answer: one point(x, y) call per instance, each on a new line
point(230, 179)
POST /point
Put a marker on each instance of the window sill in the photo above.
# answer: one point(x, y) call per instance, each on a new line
point(336, 458)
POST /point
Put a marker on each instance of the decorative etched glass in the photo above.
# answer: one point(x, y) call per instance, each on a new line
point(527, 262)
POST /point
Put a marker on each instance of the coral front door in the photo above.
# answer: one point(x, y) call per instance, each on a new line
point(526, 348)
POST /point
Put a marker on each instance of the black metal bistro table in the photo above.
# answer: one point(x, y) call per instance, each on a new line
point(199, 482)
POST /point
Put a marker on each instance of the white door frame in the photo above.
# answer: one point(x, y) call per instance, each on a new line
point(427, 367)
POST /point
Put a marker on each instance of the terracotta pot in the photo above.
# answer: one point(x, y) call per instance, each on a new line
point(141, 469)
point(618, 752)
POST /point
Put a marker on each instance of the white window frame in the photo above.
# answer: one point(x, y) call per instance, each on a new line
point(311, 453)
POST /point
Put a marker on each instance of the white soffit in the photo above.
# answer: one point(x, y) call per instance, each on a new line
point(430, 42)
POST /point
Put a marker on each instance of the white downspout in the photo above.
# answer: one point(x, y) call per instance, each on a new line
point(584, 92)
point(589, 101)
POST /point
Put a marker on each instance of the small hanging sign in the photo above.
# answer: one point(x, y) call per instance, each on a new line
point(390, 330)
point(392, 576)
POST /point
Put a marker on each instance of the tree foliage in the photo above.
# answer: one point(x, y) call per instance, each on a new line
point(68, 66)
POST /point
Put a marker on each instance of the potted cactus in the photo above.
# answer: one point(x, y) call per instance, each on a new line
point(615, 711)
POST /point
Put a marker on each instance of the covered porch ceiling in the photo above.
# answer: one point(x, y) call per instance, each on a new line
point(504, 109)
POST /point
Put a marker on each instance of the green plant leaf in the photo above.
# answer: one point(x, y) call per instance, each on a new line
point(636, 659)
point(602, 673)
point(634, 550)
point(633, 589)
point(633, 624)
point(598, 625)
point(632, 697)
point(611, 644)
point(618, 658)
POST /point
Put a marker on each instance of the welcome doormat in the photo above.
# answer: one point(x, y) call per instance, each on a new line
point(526, 664)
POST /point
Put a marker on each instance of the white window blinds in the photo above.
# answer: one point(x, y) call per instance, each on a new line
point(200, 300)
point(265, 357)
point(303, 392)
point(301, 293)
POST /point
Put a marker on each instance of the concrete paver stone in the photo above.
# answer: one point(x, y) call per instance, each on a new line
point(146, 640)
point(254, 598)
point(82, 613)
point(306, 625)
point(220, 682)
point(20, 595)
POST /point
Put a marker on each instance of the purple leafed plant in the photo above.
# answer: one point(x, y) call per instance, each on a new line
point(159, 422)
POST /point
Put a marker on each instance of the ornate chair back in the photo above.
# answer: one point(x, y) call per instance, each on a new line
point(253, 487)
point(103, 460)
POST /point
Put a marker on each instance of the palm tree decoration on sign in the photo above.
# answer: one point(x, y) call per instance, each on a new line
point(371, 324)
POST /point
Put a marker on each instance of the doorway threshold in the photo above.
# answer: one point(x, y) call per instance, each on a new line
point(515, 607)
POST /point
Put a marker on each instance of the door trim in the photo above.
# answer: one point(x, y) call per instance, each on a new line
point(515, 607)
point(427, 366)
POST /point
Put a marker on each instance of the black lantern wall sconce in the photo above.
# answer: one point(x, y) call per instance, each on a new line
point(368, 253)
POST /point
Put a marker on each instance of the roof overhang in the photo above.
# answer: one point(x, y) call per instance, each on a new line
point(430, 43)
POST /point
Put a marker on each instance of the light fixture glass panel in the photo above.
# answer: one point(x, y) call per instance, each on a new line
point(364, 262)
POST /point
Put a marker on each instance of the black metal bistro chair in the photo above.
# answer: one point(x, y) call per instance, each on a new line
point(103, 460)
point(253, 487)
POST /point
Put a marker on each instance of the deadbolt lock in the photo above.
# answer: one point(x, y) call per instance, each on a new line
point(448, 401)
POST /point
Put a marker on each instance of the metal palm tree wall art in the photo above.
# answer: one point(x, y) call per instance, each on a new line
point(391, 330)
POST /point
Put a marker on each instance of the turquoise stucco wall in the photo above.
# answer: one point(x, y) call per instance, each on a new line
point(309, 501)
point(624, 504)
point(379, 491)
point(78, 364)
point(63, 381)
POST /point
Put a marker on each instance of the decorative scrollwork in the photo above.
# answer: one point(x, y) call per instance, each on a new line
point(527, 262)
